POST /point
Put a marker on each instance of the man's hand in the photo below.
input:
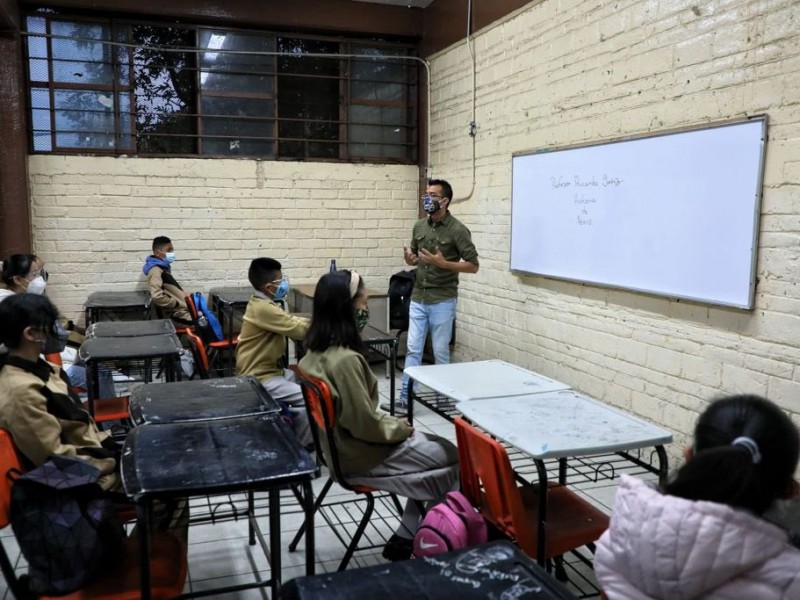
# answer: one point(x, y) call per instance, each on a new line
point(410, 257)
point(437, 259)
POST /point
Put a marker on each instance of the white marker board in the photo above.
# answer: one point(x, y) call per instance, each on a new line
point(674, 214)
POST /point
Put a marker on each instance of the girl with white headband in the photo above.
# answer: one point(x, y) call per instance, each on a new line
point(703, 535)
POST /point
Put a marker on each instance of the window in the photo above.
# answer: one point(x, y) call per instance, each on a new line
point(115, 87)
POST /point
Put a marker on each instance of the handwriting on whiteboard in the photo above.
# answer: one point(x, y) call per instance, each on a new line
point(584, 187)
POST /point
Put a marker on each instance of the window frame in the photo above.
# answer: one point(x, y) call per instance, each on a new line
point(122, 28)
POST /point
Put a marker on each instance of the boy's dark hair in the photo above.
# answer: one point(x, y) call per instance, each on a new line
point(25, 310)
point(731, 474)
point(333, 322)
point(159, 242)
point(447, 190)
point(17, 265)
point(262, 271)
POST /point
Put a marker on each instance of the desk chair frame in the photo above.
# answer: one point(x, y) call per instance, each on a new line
point(322, 414)
point(214, 348)
point(168, 558)
point(544, 525)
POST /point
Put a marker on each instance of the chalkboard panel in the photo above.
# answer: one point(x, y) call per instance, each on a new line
point(674, 214)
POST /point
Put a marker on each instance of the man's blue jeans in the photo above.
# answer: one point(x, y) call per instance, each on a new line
point(423, 317)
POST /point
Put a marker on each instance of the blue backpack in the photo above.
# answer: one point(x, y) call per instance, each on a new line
point(207, 321)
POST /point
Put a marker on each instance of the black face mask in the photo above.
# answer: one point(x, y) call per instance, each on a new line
point(430, 204)
point(56, 339)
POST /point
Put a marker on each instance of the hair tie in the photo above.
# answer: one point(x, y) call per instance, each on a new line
point(354, 279)
point(751, 446)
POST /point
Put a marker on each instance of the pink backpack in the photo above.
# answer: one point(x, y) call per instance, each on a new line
point(450, 525)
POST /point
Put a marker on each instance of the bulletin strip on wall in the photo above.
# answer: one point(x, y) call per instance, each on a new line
point(673, 214)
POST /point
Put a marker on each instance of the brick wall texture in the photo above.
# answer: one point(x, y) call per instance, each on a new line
point(555, 73)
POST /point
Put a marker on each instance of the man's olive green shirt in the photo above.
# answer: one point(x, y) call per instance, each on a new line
point(451, 236)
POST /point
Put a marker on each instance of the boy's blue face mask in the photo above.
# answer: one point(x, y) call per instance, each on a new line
point(282, 290)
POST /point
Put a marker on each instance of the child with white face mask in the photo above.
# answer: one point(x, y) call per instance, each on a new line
point(25, 274)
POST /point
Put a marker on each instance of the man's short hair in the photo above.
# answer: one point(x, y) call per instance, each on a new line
point(263, 271)
point(159, 242)
point(447, 190)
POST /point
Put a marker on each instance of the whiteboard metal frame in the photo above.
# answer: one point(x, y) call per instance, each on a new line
point(756, 217)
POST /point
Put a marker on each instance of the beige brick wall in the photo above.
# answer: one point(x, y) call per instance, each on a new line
point(94, 220)
point(561, 73)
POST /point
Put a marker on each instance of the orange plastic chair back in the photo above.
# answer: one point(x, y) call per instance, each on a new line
point(487, 479)
point(9, 459)
point(319, 399)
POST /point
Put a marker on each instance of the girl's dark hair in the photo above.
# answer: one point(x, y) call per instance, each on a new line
point(333, 322)
point(24, 310)
point(17, 265)
point(727, 474)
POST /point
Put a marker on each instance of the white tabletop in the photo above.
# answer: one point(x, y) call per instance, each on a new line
point(563, 423)
point(482, 379)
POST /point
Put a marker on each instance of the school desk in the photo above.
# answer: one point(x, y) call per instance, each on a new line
point(130, 328)
point(128, 305)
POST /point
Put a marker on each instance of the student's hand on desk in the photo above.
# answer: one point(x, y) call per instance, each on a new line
point(410, 257)
point(437, 260)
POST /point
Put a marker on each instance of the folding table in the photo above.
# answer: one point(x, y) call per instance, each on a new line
point(562, 424)
point(198, 400)
point(494, 570)
point(226, 301)
point(133, 303)
point(467, 381)
point(132, 351)
point(200, 458)
point(130, 328)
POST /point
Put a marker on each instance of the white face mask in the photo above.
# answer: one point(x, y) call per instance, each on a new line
point(169, 257)
point(37, 286)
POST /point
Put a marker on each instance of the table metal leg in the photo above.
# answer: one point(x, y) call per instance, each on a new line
point(410, 409)
point(392, 381)
point(308, 505)
point(275, 540)
point(144, 511)
point(541, 542)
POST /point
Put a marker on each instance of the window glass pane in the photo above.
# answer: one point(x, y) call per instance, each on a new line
point(36, 25)
point(308, 99)
point(40, 119)
point(126, 138)
point(237, 123)
point(38, 70)
point(84, 119)
point(384, 138)
point(165, 90)
point(81, 60)
point(236, 72)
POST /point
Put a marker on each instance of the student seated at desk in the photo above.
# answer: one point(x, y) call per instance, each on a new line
point(25, 274)
point(262, 341)
point(166, 292)
point(703, 535)
point(35, 403)
point(375, 448)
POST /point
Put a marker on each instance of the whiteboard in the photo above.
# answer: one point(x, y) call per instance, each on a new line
point(673, 214)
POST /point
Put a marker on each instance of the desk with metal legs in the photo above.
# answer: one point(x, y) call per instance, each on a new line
point(246, 454)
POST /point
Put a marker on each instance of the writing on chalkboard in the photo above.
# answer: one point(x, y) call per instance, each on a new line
point(477, 566)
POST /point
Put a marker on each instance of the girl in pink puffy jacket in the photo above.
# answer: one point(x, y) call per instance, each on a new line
point(702, 535)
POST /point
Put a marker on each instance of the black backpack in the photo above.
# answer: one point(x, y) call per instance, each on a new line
point(65, 528)
point(401, 285)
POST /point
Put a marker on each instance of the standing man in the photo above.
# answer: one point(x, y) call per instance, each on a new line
point(441, 248)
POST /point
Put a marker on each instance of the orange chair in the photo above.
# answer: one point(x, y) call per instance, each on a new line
point(168, 555)
point(488, 481)
point(322, 412)
point(105, 409)
point(199, 354)
point(214, 348)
